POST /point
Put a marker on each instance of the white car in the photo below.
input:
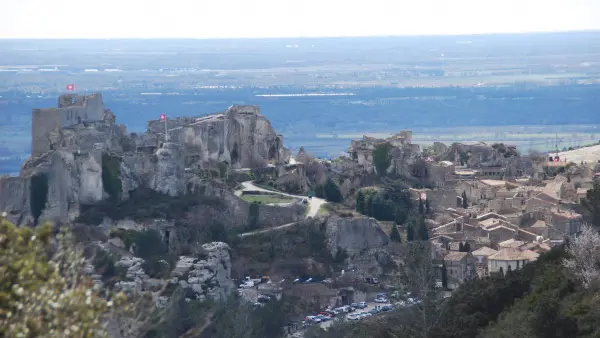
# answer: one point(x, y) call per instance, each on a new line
point(381, 300)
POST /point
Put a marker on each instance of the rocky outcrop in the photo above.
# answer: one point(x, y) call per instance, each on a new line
point(209, 277)
point(73, 159)
point(354, 235)
point(241, 137)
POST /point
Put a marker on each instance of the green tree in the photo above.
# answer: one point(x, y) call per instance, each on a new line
point(444, 276)
point(461, 247)
point(592, 203)
point(465, 203)
point(395, 235)
point(382, 158)
point(410, 231)
point(423, 233)
point(421, 207)
point(427, 207)
point(467, 247)
point(360, 201)
point(44, 295)
point(253, 216)
point(332, 191)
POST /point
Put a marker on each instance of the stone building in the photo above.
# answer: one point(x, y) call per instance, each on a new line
point(460, 266)
point(510, 259)
point(72, 109)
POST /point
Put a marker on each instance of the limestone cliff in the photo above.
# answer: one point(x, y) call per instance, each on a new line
point(72, 152)
point(354, 235)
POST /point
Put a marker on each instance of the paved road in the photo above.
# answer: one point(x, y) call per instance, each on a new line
point(314, 204)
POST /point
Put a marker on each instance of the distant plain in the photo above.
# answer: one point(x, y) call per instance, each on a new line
point(530, 90)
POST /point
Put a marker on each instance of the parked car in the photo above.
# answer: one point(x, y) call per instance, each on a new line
point(353, 316)
point(362, 305)
point(387, 308)
point(381, 300)
point(372, 280)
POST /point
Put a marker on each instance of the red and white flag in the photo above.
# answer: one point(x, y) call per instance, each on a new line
point(70, 87)
point(163, 117)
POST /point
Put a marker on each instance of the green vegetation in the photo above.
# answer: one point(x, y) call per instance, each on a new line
point(591, 203)
point(286, 251)
point(395, 235)
point(48, 296)
point(507, 151)
point(329, 191)
point(38, 195)
point(253, 216)
point(416, 228)
point(111, 176)
point(144, 204)
point(266, 199)
point(382, 158)
point(390, 204)
point(465, 202)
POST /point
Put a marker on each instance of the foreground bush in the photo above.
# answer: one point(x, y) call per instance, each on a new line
point(44, 291)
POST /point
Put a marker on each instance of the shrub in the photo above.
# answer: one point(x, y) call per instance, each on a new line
point(253, 215)
point(45, 295)
point(38, 195)
point(149, 243)
point(382, 158)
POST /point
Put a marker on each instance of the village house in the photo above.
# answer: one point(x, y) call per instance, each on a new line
point(481, 258)
point(460, 266)
point(510, 259)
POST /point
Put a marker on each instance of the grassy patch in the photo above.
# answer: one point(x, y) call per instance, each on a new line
point(267, 199)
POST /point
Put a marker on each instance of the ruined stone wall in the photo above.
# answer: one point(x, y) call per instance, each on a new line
point(72, 109)
point(43, 121)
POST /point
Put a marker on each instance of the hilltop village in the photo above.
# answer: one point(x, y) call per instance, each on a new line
point(239, 211)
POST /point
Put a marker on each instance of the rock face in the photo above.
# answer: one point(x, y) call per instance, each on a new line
point(241, 137)
point(207, 278)
point(69, 150)
point(354, 235)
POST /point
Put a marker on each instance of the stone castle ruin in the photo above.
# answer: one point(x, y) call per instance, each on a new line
point(70, 144)
point(72, 110)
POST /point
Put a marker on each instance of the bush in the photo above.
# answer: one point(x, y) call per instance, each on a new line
point(47, 296)
point(149, 244)
point(38, 195)
point(253, 215)
point(382, 158)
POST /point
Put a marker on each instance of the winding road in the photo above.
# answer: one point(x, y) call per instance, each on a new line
point(314, 205)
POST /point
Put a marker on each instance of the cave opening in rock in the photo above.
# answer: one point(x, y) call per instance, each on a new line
point(273, 151)
point(235, 153)
point(167, 235)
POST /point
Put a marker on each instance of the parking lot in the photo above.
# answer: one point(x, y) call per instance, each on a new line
point(370, 306)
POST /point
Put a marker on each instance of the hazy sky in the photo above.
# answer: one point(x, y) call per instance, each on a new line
point(285, 18)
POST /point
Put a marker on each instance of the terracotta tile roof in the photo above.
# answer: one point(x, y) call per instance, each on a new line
point(539, 224)
point(484, 251)
point(514, 254)
point(511, 243)
point(454, 256)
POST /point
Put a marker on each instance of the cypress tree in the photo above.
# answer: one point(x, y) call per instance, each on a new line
point(423, 233)
point(395, 235)
point(465, 203)
point(410, 232)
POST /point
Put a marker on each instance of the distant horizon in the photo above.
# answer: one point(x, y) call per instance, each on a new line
point(540, 32)
point(242, 19)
